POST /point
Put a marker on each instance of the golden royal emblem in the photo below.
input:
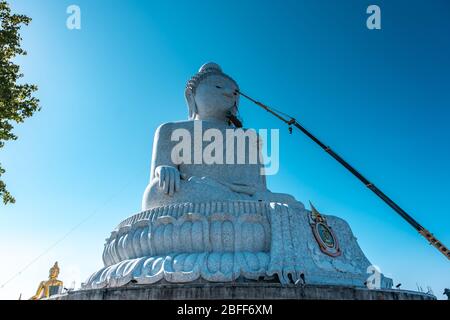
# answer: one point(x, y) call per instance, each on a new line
point(323, 233)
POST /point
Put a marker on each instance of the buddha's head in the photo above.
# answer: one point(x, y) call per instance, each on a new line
point(54, 272)
point(211, 94)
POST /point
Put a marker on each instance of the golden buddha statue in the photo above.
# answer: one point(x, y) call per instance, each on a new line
point(50, 287)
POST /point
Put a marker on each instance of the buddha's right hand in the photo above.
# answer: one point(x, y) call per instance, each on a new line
point(169, 179)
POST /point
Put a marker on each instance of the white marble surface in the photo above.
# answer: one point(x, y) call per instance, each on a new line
point(223, 241)
point(219, 222)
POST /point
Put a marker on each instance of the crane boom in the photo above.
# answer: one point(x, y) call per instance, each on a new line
point(292, 122)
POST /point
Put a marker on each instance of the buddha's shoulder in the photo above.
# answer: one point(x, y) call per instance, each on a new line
point(169, 127)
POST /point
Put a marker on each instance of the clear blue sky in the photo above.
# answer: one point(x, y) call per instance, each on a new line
point(381, 99)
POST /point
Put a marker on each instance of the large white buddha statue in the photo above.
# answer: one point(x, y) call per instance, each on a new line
point(211, 97)
point(204, 219)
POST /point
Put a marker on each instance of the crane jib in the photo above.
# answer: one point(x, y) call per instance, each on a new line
point(291, 121)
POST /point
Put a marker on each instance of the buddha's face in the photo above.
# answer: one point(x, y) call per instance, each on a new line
point(53, 273)
point(215, 96)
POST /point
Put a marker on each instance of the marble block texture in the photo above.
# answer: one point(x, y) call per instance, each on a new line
point(228, 241)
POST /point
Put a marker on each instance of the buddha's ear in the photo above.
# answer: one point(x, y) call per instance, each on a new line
point(190, 99)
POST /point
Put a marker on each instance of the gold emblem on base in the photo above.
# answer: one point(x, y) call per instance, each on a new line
point(323, 233)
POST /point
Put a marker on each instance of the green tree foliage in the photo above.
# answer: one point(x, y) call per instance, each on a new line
point(16, 99)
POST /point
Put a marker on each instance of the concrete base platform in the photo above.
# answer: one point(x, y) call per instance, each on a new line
point(240, 291)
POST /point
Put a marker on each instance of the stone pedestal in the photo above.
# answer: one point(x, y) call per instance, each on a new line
point(223, 241)
point(241, 291)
